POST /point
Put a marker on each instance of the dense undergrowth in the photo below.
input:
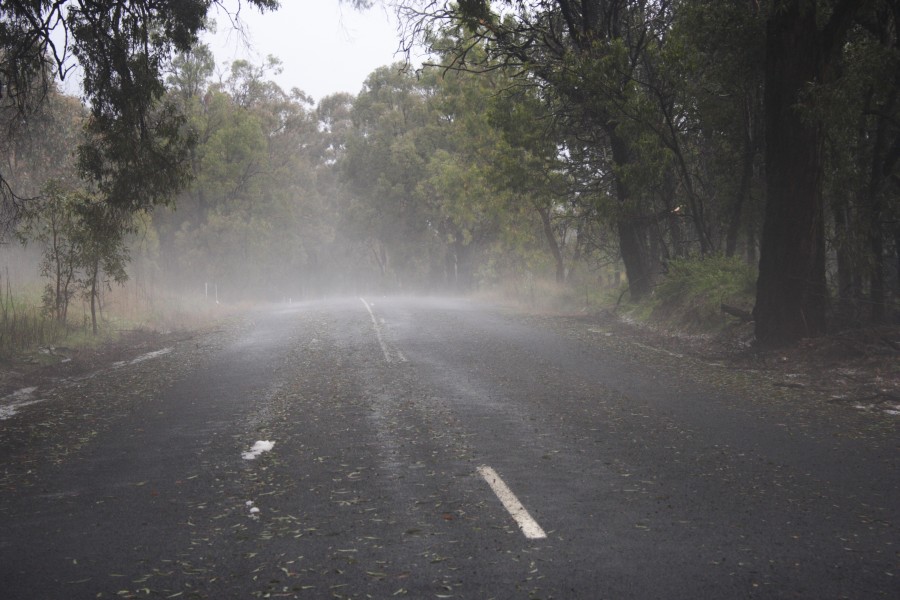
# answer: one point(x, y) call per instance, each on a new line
point(24, 324)
point(688, 297)
point(691, 295)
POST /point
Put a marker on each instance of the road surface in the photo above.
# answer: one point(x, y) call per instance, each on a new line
point(381, 448)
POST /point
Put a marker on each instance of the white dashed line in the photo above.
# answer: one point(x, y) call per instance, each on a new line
point(527, 524)
point(258, 448)
point(384, 348)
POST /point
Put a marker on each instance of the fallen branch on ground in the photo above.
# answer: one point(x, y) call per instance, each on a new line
point(744, 315)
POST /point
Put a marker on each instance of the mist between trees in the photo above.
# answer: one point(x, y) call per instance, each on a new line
point(585, 143)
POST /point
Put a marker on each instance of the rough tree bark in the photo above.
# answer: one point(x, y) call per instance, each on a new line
point(792, 297)
point(630, 227)
point(544, 212)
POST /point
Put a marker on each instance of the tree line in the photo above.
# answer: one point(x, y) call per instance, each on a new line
point(559, 139)
point(767, 126)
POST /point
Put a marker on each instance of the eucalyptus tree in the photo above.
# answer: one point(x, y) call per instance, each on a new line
point(805, 42)
point(335, 122)
point(52, 226)
point(332, 251)
point(587, 55)
point(249, 219)
point(860, 115)
point(470, 206)
point(41, 147)
point(792, 295)
point(82, 243)
point(529, 166)
point(665, 97)
point(716, 50)
point(136, 147)
point(384, 163)
point(426, 165)
point(104, 250)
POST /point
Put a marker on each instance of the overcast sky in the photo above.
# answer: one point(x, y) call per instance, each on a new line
point(324, 47)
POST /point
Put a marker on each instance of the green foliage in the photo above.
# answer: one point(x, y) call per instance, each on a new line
point(690, 295)
point(252, 221)
point(136, 144)
point(659, 114)
point(544, 144)
point(24, 324)
point(81, 241)
point(53, 226)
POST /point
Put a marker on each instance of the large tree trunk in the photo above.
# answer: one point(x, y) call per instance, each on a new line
point(791, 299)
point(630, 227)
point(94, 275)
point(634, 256)
point(544, 212)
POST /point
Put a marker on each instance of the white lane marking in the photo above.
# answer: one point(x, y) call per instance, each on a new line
point(527, 524)
point(387, 355)
point(258, 448)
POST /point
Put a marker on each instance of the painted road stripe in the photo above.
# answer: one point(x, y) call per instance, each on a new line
point(528, 525)
point(387, 355)
point(384, 347)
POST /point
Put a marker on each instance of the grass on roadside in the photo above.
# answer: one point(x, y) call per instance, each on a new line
point(690, 296)
point(687, 298)
point(27, 329)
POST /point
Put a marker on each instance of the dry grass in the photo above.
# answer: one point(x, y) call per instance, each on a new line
point(25, 326)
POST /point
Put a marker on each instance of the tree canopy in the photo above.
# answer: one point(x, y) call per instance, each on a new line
point(135, 145)
point(663, 97)
point(566, 140)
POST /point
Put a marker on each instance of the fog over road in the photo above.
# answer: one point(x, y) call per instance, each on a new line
point(439, 449)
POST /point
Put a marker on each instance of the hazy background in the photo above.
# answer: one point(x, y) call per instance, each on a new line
point(325, 47)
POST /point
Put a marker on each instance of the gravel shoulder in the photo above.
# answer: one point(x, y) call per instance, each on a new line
point(856, 371)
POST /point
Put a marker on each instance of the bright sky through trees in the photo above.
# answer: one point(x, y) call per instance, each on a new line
point(325, 46)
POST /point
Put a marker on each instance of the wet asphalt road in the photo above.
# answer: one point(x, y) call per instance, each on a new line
point(632, 475)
